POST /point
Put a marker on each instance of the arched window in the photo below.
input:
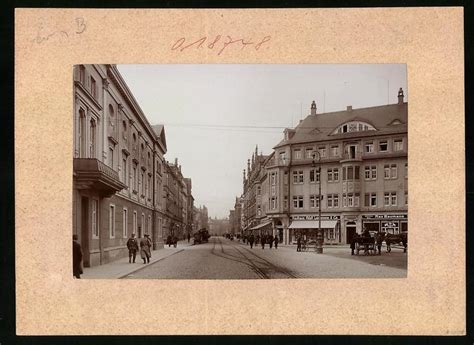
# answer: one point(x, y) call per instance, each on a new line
point(92, 142)
point(111, 118)
point(124, 129)
point(82, 133)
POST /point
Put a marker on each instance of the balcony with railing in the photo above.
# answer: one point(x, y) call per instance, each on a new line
point(90, 173)
point(351, 156)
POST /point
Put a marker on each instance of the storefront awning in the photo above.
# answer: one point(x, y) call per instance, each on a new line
point(313, 224)
point(259, 226)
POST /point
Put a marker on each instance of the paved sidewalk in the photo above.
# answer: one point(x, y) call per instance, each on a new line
point(121, 267)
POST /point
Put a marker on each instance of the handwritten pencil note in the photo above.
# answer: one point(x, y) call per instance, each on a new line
point(219, 43)
point(45, 33)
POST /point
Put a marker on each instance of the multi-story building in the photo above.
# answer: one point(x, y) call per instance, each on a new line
point(256, 196)
point(362, 154)
point(179, 202)
point(235, 216)
point(190, 207)
point(118, 158)
point(201, 220)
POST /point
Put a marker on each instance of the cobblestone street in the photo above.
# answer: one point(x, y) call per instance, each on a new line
point(225, 259)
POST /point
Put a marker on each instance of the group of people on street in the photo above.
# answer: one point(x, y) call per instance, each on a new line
point(145, 248)
point(262, 240)
point(173, 240)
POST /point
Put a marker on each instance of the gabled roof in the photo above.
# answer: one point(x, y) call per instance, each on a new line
point(320, 126)
point(160, 132)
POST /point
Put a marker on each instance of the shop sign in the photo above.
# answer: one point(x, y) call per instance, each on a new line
point(385, 216)
point(313, 217)
point(389, 225)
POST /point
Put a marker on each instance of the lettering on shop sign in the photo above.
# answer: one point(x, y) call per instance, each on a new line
point(385, 216)
point(219, 43)
point(311, 217)
point(45, 33)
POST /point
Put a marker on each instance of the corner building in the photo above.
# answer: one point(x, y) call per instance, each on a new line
point(364, 174)
point(118, 166)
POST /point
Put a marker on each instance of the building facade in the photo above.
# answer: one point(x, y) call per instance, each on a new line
point(363, 176)
point(118, 167)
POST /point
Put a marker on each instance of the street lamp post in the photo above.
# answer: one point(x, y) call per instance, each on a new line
point(319, 238)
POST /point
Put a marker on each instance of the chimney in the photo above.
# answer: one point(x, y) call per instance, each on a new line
point(349, 108)
point(313, 108)
point(400, 96)
point(176, 162)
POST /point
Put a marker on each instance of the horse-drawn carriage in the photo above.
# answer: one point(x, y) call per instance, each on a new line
point(201, 236)
point(366, 244)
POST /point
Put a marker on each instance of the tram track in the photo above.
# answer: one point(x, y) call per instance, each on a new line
point(260, 266)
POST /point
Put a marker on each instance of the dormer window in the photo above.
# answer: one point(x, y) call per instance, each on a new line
point(353, 126)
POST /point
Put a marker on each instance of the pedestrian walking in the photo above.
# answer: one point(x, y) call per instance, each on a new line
point(145, 252)
point(169, 240)
point(276, 242)
point(353, 242)
point(76, 258)
point(251, 239)
point(270, 241)
point(298, 244)
point(378, 241)
point(257, 239)
point(132, 246)
point(263, 239)
point(189, 237)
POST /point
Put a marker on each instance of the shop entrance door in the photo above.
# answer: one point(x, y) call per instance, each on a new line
point(350, 232)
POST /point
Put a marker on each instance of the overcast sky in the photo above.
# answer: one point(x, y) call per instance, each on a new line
point(214, 115)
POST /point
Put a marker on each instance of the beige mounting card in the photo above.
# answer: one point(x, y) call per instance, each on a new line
point(431, 300)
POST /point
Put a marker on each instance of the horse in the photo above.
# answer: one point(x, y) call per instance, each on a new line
point(396, 239)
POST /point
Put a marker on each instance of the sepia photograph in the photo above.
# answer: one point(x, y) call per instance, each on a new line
point(240, 171)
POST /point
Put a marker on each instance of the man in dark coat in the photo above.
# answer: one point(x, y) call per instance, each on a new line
point(251, 239)
point(145, 249)
point(132, 246)
point(353, 242)
point(169, 241)
point(378, 241)
point(298, 244)
point(263, 240)
point(276, 242)
point(270, 241)
point(76, 258)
